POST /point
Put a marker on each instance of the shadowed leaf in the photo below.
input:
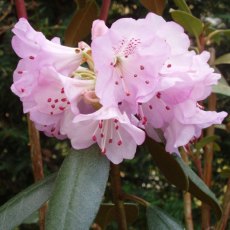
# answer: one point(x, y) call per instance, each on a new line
point(81, 23)
point(174, 169)
point(224, 59)
point(155, 6)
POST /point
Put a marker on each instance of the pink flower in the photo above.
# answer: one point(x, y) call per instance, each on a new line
point(30, 44)
point(109, 128)
point(127, 58)
point(187, 123)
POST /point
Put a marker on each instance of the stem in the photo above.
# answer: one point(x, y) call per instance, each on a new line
point(20, 8)
point(35, 148)
point(226, 209)
point(37, 165)
point(104, 10)
point(137, 199)
point(187, 201)
point(116, 191)
point(208, 159)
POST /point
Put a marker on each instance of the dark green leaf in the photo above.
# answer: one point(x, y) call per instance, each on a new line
point(81, 23)
point(190, 23)
point(78, 190)
point(155, 6)
point(159, 220)
point(205, 140)
point(107, 214)
point(174, 169)
point(13, 212)
point(224, 59)
point(182, 5)
point(199, 189)
point(168, 166)
point(225, 173)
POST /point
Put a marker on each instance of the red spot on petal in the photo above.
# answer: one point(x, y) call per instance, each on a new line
point(127, 94)
point(115, 120)
point(159, 95)
point(61, 108)
point(49, 100)
point(116, 127)
point(142, 67)
point(135, 75)
point(144, 120)
point(53, 106)
point(102, 135)
point(68, 102)
point(56, 100)
point(22, 90)
point(52, 130)
point(150, 107)
point(116, 83)
point(169, 66)
point(64, 99)
point(110, 140)
point(167, 107)
point(31, 57)
point(62, 90)
point(100, 125)
point(94, 138)
point(147, 82)
point(20, 72)
point(119, 142)
point(51, 113)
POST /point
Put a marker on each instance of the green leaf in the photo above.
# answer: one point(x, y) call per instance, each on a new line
point(174, 169)
point(190, 23)
point(168, 166)
point(224, 59)
point(218, 35)
point(81, 23)
point(182, 5)
point(222, 87)
point(78, 190)
point(159, 220)
point(225, 173)
point(107, 214)
point(17, 209)
point(205, 140)
point(155, 6)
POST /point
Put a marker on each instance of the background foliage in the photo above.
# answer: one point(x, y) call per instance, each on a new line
point(139, 176)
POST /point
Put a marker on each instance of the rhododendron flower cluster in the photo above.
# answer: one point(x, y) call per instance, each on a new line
point(137, 78)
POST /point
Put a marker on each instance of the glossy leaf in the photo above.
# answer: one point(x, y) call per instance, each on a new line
point(174, 169)
point(155, 6)
point(78, 190)
point(107, 214)
point(224, 59)
point(17, 209)
point(159, 220)
point(168, 166)
point(222, 87)
point(81, 23)
point(190, 23)
point(182, 5)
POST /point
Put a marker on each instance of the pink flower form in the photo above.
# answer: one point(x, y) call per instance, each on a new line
point(47, 101)
point(30, 44)
point(128, 58)
point(187, 123)
point(109, 128)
